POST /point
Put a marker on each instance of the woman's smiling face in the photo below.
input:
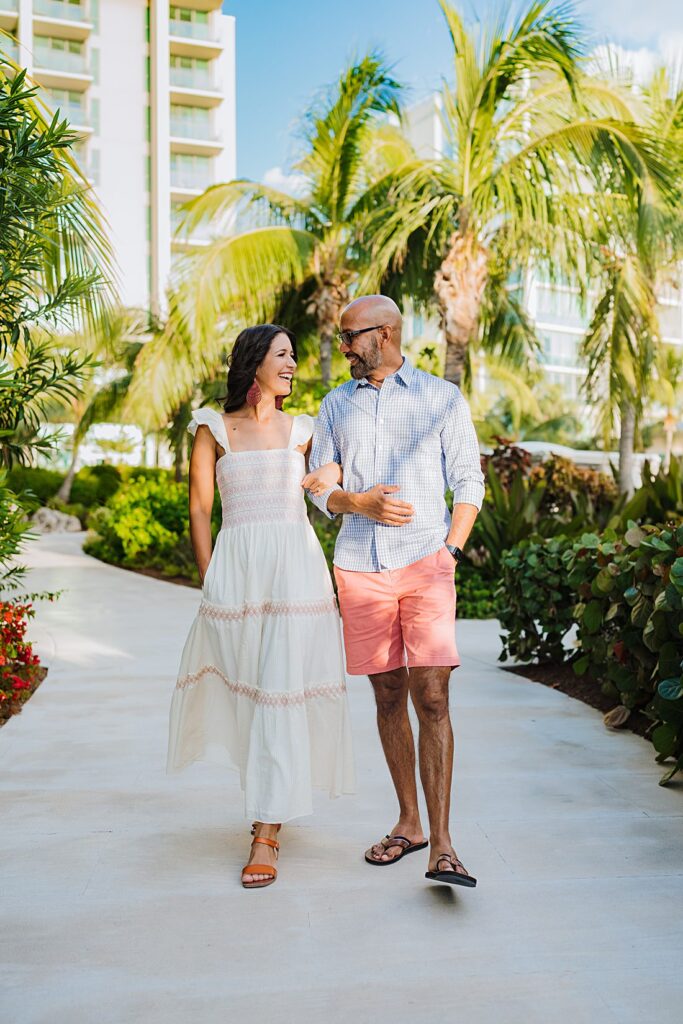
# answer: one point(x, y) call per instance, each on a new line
point(278, 368)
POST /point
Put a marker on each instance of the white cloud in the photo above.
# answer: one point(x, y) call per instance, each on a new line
point(635, 21)
point(293, 184)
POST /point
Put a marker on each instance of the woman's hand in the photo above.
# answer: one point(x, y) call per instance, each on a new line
point(320, 480)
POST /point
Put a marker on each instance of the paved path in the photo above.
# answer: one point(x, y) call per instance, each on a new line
point(120, 887)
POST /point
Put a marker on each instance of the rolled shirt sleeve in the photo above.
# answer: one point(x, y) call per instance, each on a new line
point(323, 450)
point(460, 449)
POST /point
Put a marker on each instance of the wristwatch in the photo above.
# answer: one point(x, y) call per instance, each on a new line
point(458, 553)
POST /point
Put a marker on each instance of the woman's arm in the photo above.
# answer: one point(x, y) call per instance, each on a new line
point(321, 479)
point(202, 485)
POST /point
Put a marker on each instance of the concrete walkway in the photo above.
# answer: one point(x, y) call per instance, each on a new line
point(120, 887)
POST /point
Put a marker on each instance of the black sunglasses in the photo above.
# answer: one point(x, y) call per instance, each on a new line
point(346, 337)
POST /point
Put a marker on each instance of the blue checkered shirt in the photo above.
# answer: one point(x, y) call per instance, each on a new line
point(414, 432)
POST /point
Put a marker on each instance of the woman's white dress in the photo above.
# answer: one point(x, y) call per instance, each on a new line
point(261, 685)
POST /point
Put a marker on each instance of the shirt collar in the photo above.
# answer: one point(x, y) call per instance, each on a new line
point(404, 374)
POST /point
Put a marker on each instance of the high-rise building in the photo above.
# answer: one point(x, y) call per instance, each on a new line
point(150, 88)
point(554, 308)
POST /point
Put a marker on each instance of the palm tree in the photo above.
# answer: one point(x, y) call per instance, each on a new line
point(52, 236)
point(526, 133)
point(308, 241)
point(637, 247)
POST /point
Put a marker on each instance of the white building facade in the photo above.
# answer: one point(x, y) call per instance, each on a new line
point(150, 88)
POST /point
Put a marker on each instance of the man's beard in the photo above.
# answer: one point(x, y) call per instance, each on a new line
point(371, 360)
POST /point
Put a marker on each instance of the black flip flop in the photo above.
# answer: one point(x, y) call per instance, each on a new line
point(452, 876)
point(389, 841)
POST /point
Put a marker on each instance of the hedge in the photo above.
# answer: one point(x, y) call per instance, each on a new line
point(624, 594)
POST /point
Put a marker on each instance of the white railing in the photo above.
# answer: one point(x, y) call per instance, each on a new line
point(189, 29)
point(60, 60)
point(187, 177)
point(60, 9)
point(191, 78)
point(184, 128)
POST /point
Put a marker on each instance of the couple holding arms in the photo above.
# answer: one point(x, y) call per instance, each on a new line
point(261, 685)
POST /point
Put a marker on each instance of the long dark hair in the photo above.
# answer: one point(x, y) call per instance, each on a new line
point(250, 349)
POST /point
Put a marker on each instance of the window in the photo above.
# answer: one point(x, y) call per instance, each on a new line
point(60, 54)
point(191, 171)
point(192, 72)
point(558, 348)
point(190, 122)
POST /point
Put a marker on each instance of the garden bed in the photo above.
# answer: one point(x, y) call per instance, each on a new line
point(13, 706)
point(563, 678)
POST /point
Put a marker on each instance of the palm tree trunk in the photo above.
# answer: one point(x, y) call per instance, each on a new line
point(459, 286)
point(64, 492)
point(327, 305)
point(626, 442)
point(179, 459)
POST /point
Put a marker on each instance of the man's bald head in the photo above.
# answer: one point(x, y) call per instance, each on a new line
point(370, 310)
point(373, 343)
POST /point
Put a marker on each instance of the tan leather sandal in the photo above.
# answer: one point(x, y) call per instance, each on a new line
point(261, 869)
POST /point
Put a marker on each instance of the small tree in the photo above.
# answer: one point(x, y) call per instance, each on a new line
point(52, 235)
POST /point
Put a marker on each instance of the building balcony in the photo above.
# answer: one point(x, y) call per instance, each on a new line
point(9, 48)
point(185, 179)
point(56, 18)
point(190, 39)
point(185, 87)
point(78, 118)
point(203, 5)
point(54, 78)
point(9, 17)
point(193, 138)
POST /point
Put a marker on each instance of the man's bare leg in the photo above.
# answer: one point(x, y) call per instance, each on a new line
point(429, 694)
point(396, 734)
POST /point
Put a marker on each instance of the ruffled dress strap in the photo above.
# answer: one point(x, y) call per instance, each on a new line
point(302, 430)
point(214, 421)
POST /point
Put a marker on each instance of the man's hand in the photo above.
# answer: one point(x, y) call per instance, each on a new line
point(378, 504)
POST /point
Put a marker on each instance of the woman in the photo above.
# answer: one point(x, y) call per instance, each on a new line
point(261, 685)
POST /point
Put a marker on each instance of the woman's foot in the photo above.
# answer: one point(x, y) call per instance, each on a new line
point(262, 854)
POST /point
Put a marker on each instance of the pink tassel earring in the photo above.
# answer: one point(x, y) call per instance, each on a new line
point(279, 401)
point(254, 395)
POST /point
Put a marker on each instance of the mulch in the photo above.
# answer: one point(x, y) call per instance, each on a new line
point(562, 677)
point(13, 707)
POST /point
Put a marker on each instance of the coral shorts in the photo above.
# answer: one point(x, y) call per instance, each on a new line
point(399, 617)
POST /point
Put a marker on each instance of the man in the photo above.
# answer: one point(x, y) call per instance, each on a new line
point(395, 557)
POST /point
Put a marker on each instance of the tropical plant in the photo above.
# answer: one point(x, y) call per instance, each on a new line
point(636, 248)
point(526, 133)
point(659, 499)
point(624, 594)
point(52, 235)
point(304, 247)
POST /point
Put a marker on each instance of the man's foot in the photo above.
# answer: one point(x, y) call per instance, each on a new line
point(261, 853)
point(411, 836)
point(446, 866)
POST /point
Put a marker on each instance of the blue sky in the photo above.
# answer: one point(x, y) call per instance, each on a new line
point(286, 51)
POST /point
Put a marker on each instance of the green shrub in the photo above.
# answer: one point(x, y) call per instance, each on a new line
point(535, 600)
point(144, 520)
point(94, 485)
point(28, 480)
point(659, 499)
point(476, 593)
point(625, 595)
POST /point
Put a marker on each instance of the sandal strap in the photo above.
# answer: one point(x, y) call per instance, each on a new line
point(273, 843)
point(260, 869)
point(455, 862)
point(395, 841)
